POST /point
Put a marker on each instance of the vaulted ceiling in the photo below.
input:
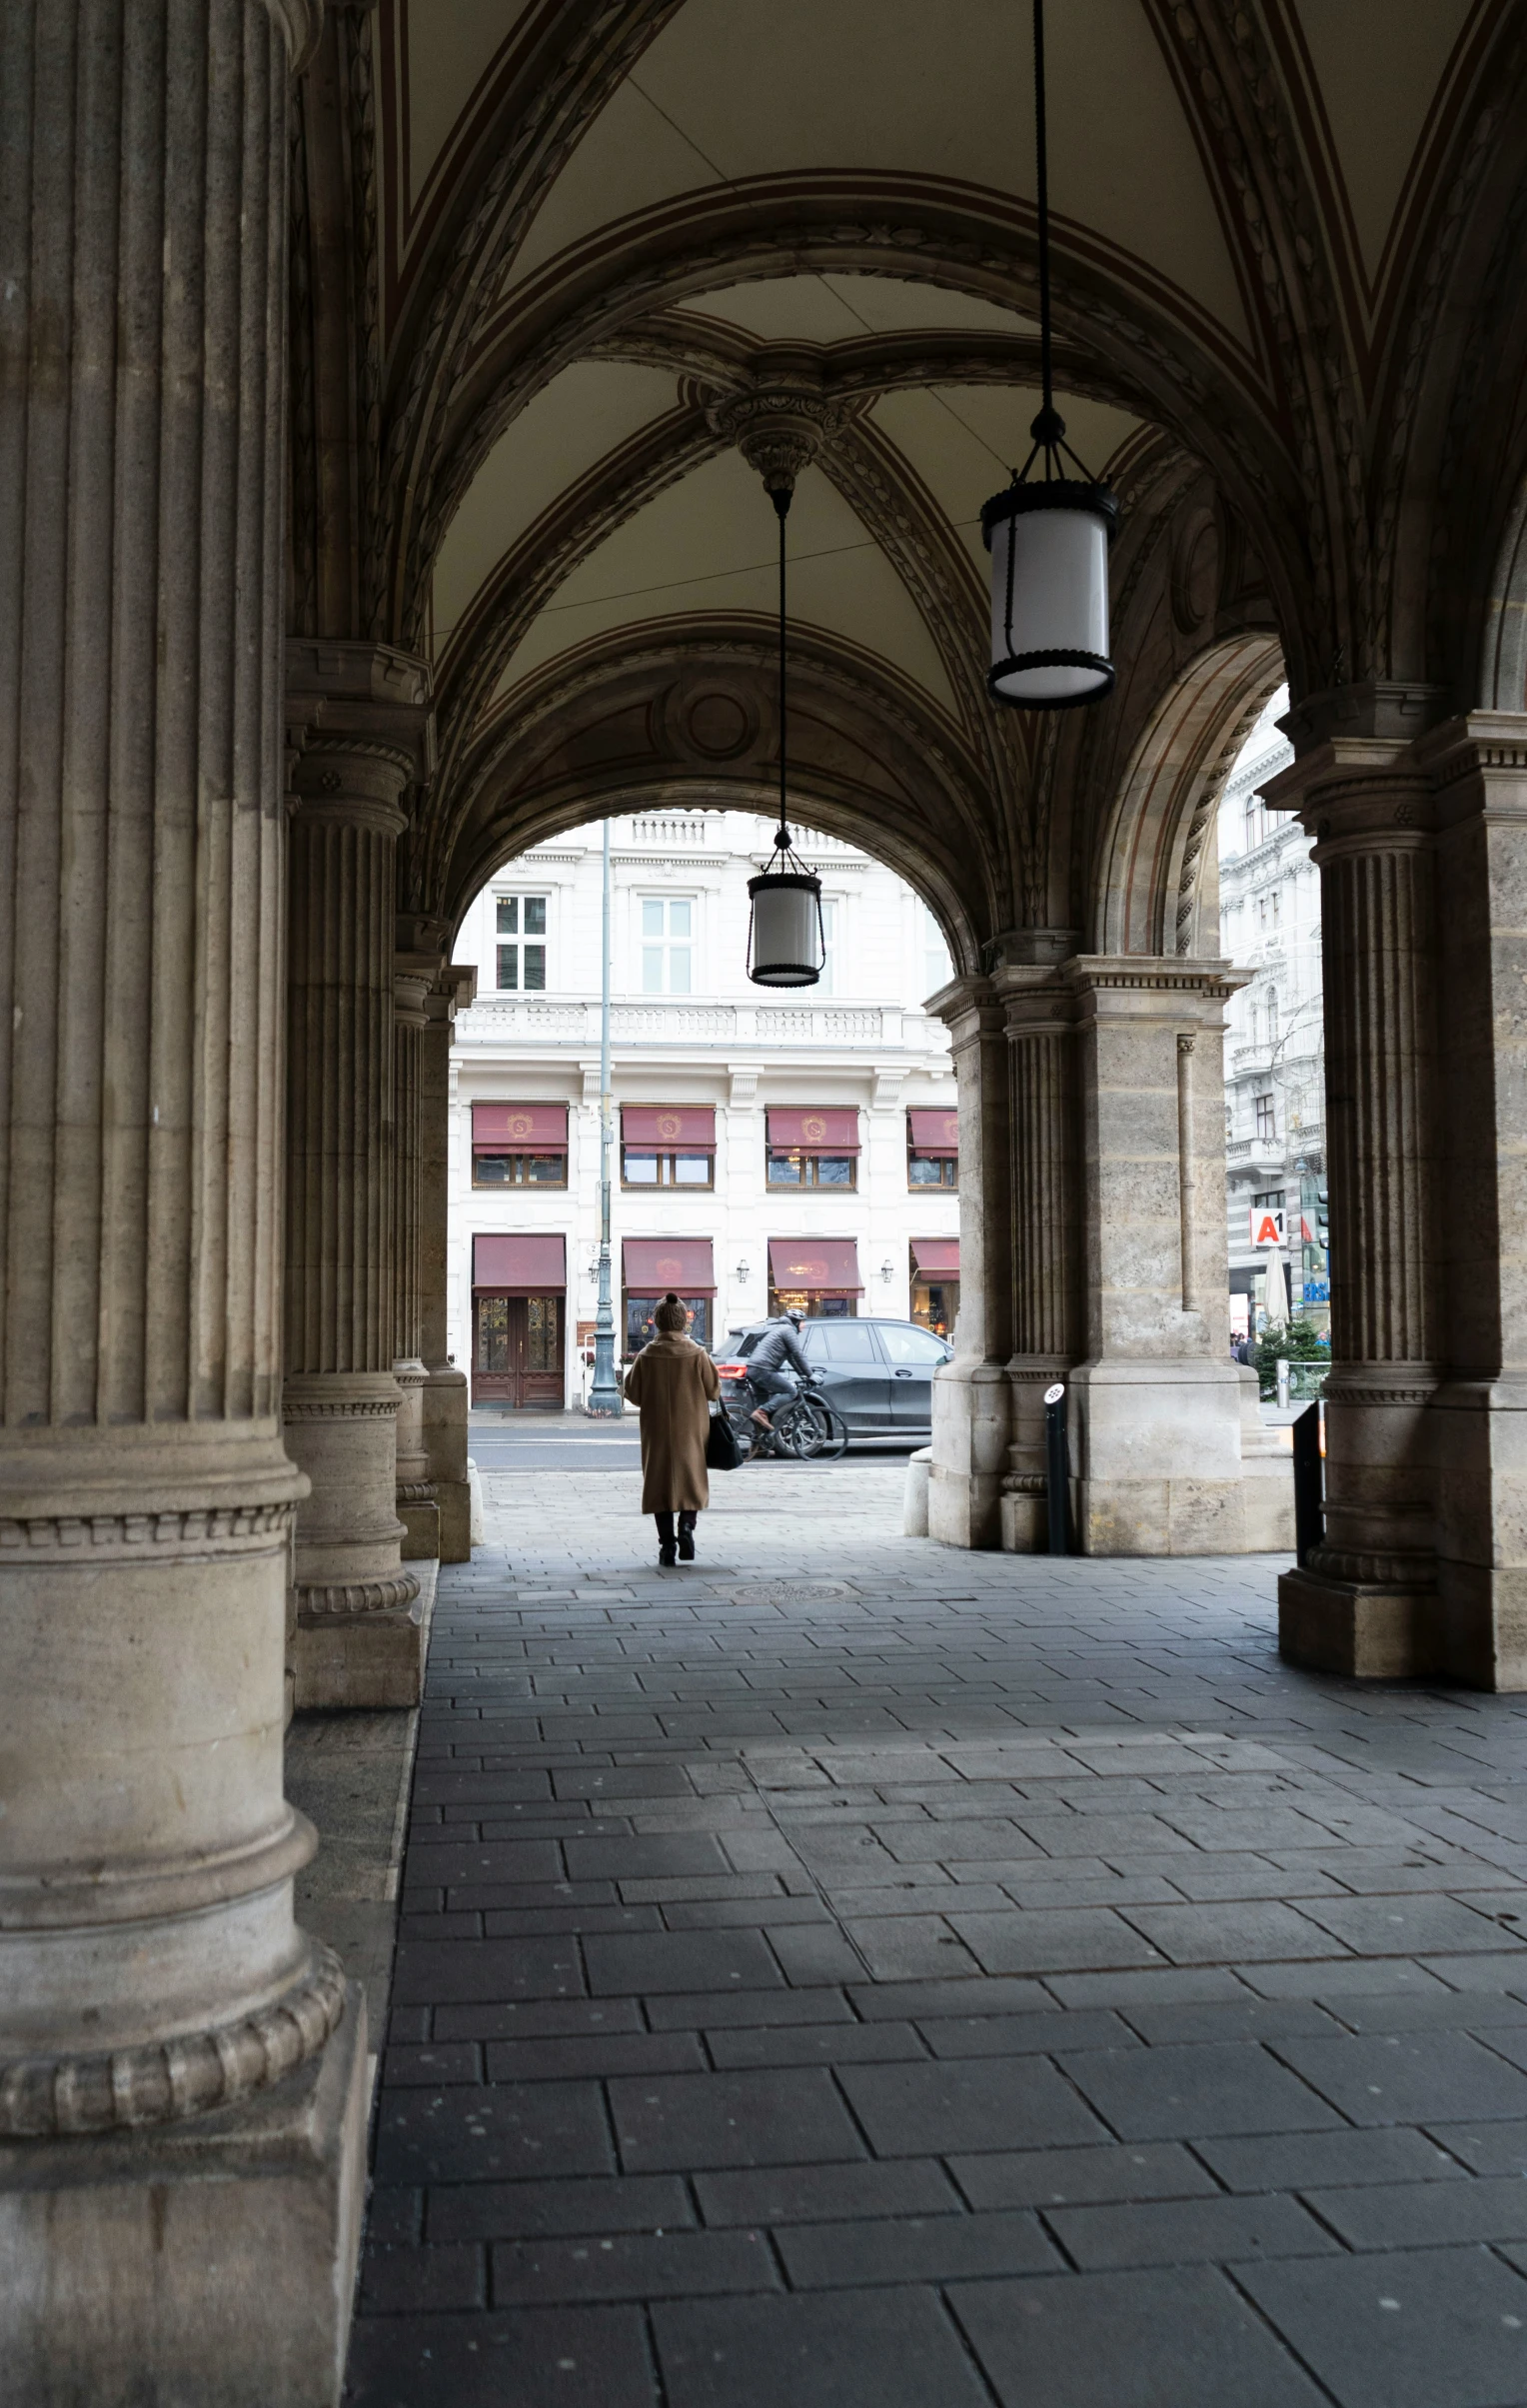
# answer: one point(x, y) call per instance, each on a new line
point(574, 231)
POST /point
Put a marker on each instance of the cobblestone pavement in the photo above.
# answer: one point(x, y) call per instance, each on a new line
point(848, 1973)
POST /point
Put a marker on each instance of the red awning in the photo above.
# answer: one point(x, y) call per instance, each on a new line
point(936, 1258)
point(518, 1129)
point(936, 1133)
point(669, 1129)
point(652, 1266)
point(813, 1132)
point(533, 1266)
point(826, 1265)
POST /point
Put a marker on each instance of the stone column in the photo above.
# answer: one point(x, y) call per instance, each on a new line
point(1368, 1600)
point(1155, 1420)
point(970, 1393)
point(359, 1638)
point(1477, 771)
point(181, 2069)
point(1046, 1226)
point(444, 1394)
point(414, 970)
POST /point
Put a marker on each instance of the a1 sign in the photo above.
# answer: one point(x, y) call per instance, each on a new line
point(1267, 1226)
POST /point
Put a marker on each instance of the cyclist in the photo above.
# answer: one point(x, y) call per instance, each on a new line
point(778, 1346)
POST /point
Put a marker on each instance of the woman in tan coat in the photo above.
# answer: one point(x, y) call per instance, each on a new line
point(674, 1382)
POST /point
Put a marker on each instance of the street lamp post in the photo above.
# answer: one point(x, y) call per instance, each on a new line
point(604, 1394)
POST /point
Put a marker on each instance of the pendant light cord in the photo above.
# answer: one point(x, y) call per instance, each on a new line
point(1042, 166)
point(779, 495)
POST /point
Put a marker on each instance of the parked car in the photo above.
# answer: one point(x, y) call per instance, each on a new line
point(877, 1374)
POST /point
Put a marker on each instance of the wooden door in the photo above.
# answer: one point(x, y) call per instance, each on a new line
point(517, 1350)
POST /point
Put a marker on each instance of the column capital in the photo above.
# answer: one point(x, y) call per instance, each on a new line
point(454, 988)
point(1035, 995)
point(1477, 765)
point(1151, 985)
point(969, 1008)
point(1387, 711)
point(369, 722)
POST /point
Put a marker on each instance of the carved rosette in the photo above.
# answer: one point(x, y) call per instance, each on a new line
point(779, 425)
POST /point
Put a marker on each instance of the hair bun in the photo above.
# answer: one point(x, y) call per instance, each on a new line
point(671, 1299)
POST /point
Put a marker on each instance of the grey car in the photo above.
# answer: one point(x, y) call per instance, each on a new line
point(877, 1374)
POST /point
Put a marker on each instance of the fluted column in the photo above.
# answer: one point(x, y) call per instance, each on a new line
point(150, 1965)
point(1366, 1601)
point(414, 973)
point(970, 1393)
point(446, 1392)
point(358, 1639)
point(1046, 1230)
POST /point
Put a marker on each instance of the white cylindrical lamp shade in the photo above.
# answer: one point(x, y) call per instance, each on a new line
point(1049, 592)
point(786, 938)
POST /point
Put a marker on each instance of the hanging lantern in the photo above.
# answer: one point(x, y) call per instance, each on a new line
point(1049, 534)
point(786, 943)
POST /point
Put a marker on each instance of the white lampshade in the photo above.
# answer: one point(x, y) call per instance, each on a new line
point(786, 946)
point(1050, 591)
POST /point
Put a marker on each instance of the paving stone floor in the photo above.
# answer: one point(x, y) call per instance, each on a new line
point(848, 1973)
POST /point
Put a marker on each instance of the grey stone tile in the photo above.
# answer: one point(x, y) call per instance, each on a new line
point(453, 1973)
point(976, 1997)
point(898, 1949)
point(956, 1840)
point(1025, 2035)
point(1407, 1926)
point(1424, 2215)
point(687, 2122)
point(1178, 2338)
point(1180, 2232)
point(443, 2061)
point(973, 2103)
point(1409, 2078)
point(667, 2265)
point(815, 1955)
point(1436, 2328)
point(680, 1961)
point(1359, 1978)
point(1296, 2161)
point(445, 1863)
point(705, 2010)
point(1075, 2177)
point(538, 2020)
point(1241, 1932)
point(509, 2211)
point(818, 2044)
point(410, 2281)
point(1179, 2093)
point(1242, 2019)
point(845, 2349)
point(593, 2055)
point(1493, 2148)
point(469, 2361)
point(602, 1859)
point(1065, 1940)
point(807, 2194)
point(1487, 2011)
point(461, 2135)
point(916, 2249)
point(1104, 1836)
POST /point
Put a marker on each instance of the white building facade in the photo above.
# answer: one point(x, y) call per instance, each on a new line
point(1269, 916)
point(769, 1147)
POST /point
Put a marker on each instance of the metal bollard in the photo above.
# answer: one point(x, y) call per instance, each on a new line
point(1057, 1472)
point(1282, 1371)
point(1309, 1484)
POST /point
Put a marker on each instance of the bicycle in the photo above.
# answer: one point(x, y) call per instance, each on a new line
point(805, 1428)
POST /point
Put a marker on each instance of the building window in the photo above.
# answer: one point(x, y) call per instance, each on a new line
point(641, 1168)
point(519, 1170)
point(642, 1327)
point(668, 942)
point(937, 968)
point(1266, 1117)
point(932, 1170)
point(797, 1170)
point(521, 944)
point(1270, 1200)
point(825, 985)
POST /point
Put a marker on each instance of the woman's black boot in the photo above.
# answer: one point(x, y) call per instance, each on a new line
point(668, 1553)
point(687, 1537)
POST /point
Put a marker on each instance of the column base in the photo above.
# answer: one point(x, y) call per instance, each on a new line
point(1367, 1632)
point(362, 1660)
point(968, 1455)
point(444, 1408)
point(454, 1499)
point(419, 1516)
point(1174, 1516)
point(204, 2264)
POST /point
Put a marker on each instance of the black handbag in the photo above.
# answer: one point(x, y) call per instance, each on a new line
point(722, 1452)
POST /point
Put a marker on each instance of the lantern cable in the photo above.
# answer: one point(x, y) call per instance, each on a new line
point(779, 495)
point(1049, 428)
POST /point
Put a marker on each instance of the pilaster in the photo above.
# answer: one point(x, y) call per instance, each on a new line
point(1041, 1014)
point(444, 1396)
point(167, 2031)
point(416, 967)
point(1155, 1405)
point(358, 1639)
point(972, 1408)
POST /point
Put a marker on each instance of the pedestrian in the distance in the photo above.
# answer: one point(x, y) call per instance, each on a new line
point(674, 1382)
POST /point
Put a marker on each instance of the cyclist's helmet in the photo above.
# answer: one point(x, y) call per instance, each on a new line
point(794, 1316)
